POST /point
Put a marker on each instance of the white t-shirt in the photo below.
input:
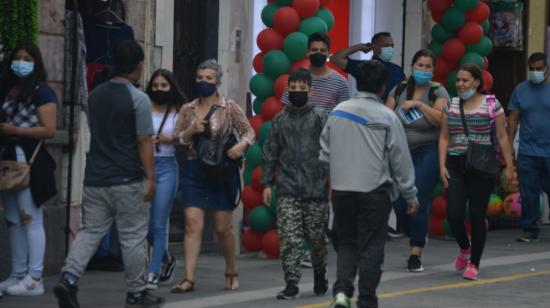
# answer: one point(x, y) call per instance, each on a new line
point(164, 149)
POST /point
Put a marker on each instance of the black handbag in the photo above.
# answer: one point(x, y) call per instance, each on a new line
point(212, 153)
point(479, 157)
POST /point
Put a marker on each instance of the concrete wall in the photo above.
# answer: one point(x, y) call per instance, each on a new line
point(538, 24)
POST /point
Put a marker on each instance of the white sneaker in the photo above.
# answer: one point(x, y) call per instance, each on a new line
point(26, 287)
point(11, 281)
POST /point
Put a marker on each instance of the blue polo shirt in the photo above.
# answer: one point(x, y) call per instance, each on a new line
point(395, 74)
point(533, 103)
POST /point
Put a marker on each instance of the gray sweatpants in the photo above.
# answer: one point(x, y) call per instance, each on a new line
point(100, 207)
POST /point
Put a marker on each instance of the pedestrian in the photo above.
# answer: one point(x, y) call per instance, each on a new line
point(302, 183)
point(466, 126)
point(119, 180)
point(365, 145)
point(167, 99)
point(530, 107)
point(418, 103)
point(219, 117)
point(27, 118)
point(382, 47)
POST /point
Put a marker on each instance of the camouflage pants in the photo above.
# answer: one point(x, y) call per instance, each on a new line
point(298, 221)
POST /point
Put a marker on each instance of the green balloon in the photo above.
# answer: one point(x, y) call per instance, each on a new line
point(483, 47)
point(261, 219)
point(257, 105)
point(473, 58)
point(261, 85)
point(283, 2)
point(450, 83)
point(253, 155)
point(264, 130)
point(273, 205)
point(436, 48)
point(438, 190)
point(312, 25)
point(247, 175)
point(453, 20)
point(466, 5)
point(276, 63)
point(440, 34)
point(327, 16)
point(267, 14)
point(486, 26)
point(295, 46)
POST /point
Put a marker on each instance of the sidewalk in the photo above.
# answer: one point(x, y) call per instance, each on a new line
point(513, 275)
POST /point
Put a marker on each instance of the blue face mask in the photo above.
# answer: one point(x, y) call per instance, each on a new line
point(421, 77)
point(467, 95)
point(22, 68)
point(205, 89)
point(386, 53)
point(536, 77)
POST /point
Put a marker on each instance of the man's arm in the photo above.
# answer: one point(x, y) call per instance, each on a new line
point(513, 125)
point(401, 162)
point(340, 58)
point(145, 147)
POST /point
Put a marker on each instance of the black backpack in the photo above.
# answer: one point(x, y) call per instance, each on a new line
point(402, 87)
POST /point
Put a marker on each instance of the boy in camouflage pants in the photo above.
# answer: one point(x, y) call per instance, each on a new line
point(291, 156)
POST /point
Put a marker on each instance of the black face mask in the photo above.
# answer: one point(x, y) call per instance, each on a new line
point(160, 97)
point(298, 98)
point(205, 89)
point(318, 59)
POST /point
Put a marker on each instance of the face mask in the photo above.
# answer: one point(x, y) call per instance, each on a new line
point(22, 68)
point(318, 59)
point(205, 89)
point(421, 77)
point(160, 97)
point(298, 98)
point(536, 77)
point(386, 53)
point(467, 95)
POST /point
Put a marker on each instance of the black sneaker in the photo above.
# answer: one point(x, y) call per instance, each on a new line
point(528, 238)
point(394, 234)
point(305, 261)
point(144, 300)
point(152, 281)
point(414, 264)
point(320, 282)
point(66, 294)
point(167, 272)
point(290, 292)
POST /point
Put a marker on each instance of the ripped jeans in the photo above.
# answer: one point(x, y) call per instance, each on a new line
point(26, 227)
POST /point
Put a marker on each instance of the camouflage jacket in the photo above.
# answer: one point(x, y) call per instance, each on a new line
point(291, 154)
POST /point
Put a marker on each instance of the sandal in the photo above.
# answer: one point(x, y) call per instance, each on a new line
point(232, 279)
point(178, 289)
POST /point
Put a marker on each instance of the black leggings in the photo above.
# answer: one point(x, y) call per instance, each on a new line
point(474, 187)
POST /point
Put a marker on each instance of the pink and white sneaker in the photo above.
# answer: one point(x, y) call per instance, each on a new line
point(462, 259)
point(471, 272)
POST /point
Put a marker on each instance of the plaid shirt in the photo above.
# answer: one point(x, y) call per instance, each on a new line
point(20, 114)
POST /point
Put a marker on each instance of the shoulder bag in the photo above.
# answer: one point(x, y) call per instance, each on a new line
point(15, 175)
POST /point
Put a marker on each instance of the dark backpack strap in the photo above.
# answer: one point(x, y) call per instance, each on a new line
point(432, 97)
point(463, 119)
point(207, 117)
point(157, 146)
point(398, 92)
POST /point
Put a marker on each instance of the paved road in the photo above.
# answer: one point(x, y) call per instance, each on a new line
point(513, 275)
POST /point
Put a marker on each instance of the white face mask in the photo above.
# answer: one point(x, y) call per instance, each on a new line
point(537, 77)
point(386, 53)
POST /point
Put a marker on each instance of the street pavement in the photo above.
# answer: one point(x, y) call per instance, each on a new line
point(513, 275)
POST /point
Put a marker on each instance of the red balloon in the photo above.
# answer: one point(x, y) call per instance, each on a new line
point(436, 226)
point(470, 33)
point(439, 207)
point(280, 85)
point(443, 68)
point(325, 2)
point(256, 122)
point(250, 198)
point(306, 8)
point(258, 62)
point(479, 14)
point(269, 39)
point(257, 179)
point(252, 240)
point(286, 20)
point(270, 1)
point(437, 16)
point(439, 6)
point(487, 80)
point(304, 63)
point(453, 50)
point(270, 108)
point(485, 63)
point(270, 243)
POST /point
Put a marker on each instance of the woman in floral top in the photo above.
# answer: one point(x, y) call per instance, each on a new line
point(198, 193)
point(467, 185)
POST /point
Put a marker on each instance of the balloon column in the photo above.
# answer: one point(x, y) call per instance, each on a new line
point(459, 37)
point(283, 46)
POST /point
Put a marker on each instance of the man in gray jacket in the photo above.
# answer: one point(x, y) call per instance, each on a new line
point(365, 146)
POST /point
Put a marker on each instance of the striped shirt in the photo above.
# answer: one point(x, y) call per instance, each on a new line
point(478, 121)
point(328, 91)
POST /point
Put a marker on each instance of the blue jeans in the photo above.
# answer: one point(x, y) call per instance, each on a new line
point(426, 171)
point(166, 177)
point(534, 176)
